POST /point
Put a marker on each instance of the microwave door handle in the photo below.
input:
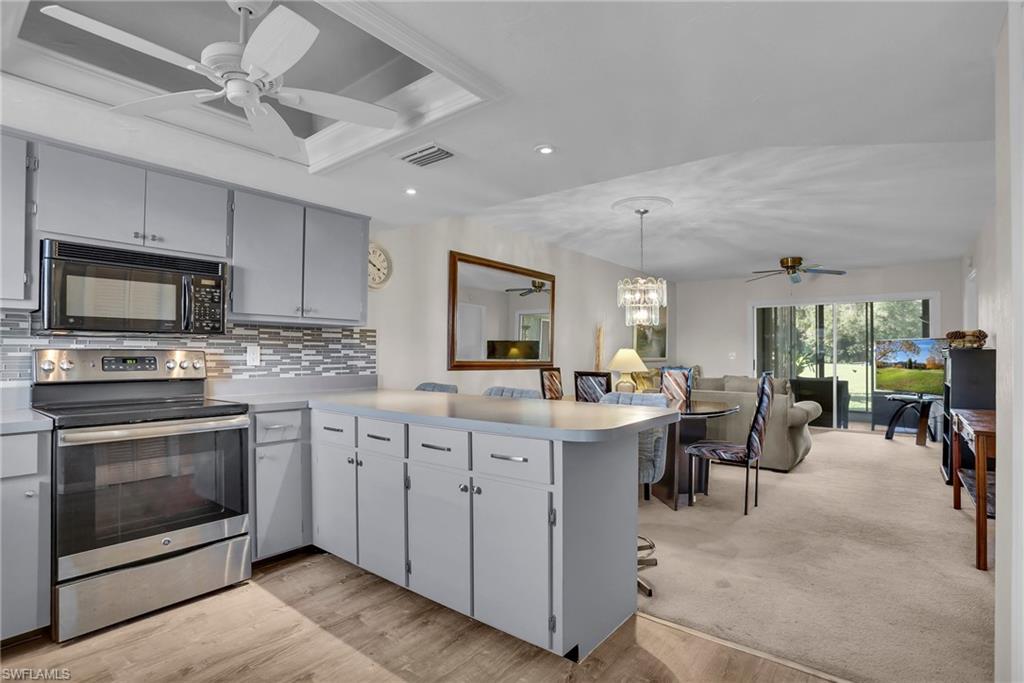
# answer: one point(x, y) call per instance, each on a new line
point(186, 315)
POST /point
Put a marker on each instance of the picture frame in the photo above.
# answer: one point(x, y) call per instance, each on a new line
point(651, 341)
point(591, 386)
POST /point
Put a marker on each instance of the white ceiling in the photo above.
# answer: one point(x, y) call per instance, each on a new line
point(845, 207)
point(622, 88)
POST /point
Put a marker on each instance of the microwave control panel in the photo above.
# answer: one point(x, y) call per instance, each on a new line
point(207, 304)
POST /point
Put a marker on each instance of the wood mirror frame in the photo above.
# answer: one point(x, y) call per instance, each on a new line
point(454, 259)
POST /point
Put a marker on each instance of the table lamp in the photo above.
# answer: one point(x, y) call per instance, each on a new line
point(624, 362)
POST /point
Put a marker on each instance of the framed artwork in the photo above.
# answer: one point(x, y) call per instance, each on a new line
point(651, 341)
point(591, 386)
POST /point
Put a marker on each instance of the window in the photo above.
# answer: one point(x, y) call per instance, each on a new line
point(826, 350)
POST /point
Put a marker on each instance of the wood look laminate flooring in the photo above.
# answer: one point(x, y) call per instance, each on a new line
point(310, 616)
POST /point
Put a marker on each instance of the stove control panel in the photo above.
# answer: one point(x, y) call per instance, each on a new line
point(54, 366)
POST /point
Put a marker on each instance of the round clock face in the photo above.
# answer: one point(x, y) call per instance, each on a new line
point(379, 270)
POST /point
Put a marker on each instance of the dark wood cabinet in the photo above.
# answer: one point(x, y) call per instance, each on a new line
point(970, 383)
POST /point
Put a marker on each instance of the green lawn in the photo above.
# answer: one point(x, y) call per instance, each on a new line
point(911, 381)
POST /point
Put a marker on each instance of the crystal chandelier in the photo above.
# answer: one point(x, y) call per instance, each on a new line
point(642, 297)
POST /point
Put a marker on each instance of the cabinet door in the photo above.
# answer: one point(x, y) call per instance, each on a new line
point(512, 559)
point(25, 533)
point(279, 499)
point(381, 496)
point(186, 215)
point(13, 254)
point(266, 257)
point(334, 500)
point(439, 535)
point(336, 262)
point(78, 194)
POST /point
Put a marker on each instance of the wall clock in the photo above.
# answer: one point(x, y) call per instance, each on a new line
point(379, 271)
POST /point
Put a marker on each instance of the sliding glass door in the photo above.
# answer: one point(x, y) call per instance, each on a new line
point(826, 350)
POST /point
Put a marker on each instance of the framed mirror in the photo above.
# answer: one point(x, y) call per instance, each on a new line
point(500, 316)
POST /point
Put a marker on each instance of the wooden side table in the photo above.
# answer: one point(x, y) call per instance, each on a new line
point(977, 430)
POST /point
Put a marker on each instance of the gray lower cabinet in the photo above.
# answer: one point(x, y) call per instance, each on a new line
point(512, 559)
point(381, 515)
point(14, 265)
point(334, 500)
point(334, 274)
point(266, 257)
point(79, 194)
point(280, 499)
point(439, 535)
point(186, 215)
point(24, 533)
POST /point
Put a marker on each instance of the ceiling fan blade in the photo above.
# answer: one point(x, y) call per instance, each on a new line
point(337, 107)
point(174, 100)
point(121, 37)
point(274, 134)
point(795, 278)
point(824, 271)
point(773, 274)
point(281, 39)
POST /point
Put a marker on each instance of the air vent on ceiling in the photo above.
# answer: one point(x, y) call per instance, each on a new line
point(426, 155)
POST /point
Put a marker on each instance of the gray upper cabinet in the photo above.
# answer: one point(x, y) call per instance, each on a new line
point(25, 533)
point(185, 215)
point(13, 254)
point(267, 257)
point(78, 194)
point(334, 280)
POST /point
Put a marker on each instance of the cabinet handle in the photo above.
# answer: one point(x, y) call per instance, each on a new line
point(359, 463)
point(308, 310)
point(350, 460)
point(477, 490)
point(30, 494)
point(435, 447)
point(378, 437)
point(510, 458)
point(138, 235)
point(464, 488)
point(269, 427)
point(334, 429)
point(298, 309)
point(156, 238)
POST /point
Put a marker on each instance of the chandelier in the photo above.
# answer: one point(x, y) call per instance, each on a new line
point(643, 297)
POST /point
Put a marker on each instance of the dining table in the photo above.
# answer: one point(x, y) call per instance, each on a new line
point(678, 483)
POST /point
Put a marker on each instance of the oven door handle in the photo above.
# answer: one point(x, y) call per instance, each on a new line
point(148, 430)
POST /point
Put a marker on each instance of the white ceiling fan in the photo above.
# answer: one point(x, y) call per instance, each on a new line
point(245, 71)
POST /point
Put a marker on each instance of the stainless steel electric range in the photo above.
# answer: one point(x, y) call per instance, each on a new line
point(150, 490)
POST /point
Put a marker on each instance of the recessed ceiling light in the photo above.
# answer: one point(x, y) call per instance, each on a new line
point(410, 191)
point(544, 149)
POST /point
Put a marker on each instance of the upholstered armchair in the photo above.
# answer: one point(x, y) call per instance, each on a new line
point(511, 392)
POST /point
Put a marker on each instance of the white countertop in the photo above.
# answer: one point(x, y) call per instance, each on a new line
point(534, 418)
point(23, 421)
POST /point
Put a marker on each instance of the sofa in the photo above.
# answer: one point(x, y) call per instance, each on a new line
point(819, 390)
point(788, 439)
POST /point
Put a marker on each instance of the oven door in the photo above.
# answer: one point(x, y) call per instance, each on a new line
point(78, 296)
point(127, 493)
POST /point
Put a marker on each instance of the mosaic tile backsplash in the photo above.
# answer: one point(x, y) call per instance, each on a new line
point(284, 351)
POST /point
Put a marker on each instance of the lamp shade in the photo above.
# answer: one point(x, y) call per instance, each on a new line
point(627, 360)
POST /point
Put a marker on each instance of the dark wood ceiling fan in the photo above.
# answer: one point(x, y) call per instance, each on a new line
point(793, 266)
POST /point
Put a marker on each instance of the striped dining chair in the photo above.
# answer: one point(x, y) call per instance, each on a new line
point(736, 453)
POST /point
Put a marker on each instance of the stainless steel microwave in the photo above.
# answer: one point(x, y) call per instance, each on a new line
point(86, 288)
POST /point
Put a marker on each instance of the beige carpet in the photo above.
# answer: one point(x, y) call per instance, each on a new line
point(855, 563)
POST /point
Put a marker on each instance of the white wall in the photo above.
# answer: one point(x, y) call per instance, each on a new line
point(713, 318)
point(999, 259)
point(411, 312)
